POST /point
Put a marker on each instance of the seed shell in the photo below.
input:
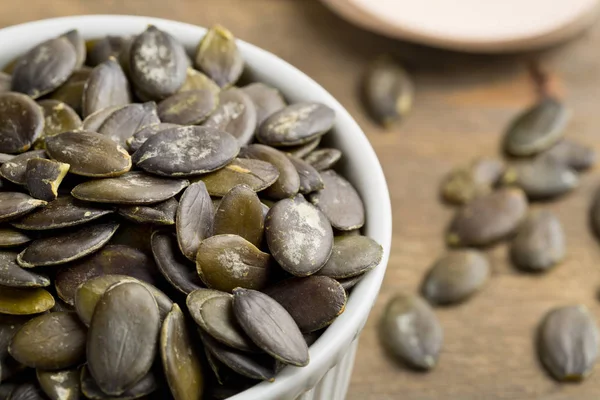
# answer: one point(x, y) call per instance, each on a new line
point(22, 122)
point(572, 154)
point(218, 56)
point(256, 174)
point(267, 100)
point(27, 391)
point(323, 159)
point(25, 301)
point(127, 120)
point(235, 114)
point(352, 256)
point(139, 137)
point(542, 178)
point(303, 150)
point(140, 390)
point(15, 204)
point(76, 40)
point(15, 170)
point(59, 117)
point(196, 80)
point(159, 214)
point(12, 275)
point(194, 221)
point(188, 108)
point(107, 86)
point(94, 121)
point(463, 184)
point(11, 237)
point(310, 179)
point(43, 178)
point(175, 268)
point(240, 213)
point(9, 325)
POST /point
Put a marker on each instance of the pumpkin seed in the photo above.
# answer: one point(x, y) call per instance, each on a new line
point(121, 349)
point(542, 178)
point(107, 86)
point(310, 179)
point(196, 80)
point(194, 221)
point(14, 276)
point(44, 176)
point(6, 389)
point(159, 214)
point(235, 114)
point(256, 174)
point(107, 47)
point(175, 268)
point(540, 242)
point(44, 68)
point(349, 283)
point(352, 256)
point(139, 137)
point(313, 302)
point(179, 359)
point(225, 262)
point(131, 188)
point(71, 92)
point(288, 182)
point(15, 170)
point(5, 82)
point(537, 128)
point(145, 386)
point(93, 122)
point(218, 56)
point(22, 122)
point(185, 151)
point(25, 301)
point(9, 325)
point(127, 120)
point(76, 40)
point(488, 218)
point(240, 213)
point(60, 385)
point(267, 100)
point(89, 154)
point(296, 124)
point(4, 158)
point(299, 236)
point(323, 159)
point(303, 150)
point(340, 202)
point(50, 341)
point(68, 246)
point(572, 154)
point(59, 117)
point(456, 276)
point(188, 108)
point(134, 235)
point(568, 343)
point(11, 237)
point(14, 205)
point(27, 391)
point(463, 184)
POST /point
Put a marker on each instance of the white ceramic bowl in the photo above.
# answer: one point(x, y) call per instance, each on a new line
point(360, 166)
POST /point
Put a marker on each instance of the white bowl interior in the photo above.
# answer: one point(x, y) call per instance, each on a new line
point(359, 165)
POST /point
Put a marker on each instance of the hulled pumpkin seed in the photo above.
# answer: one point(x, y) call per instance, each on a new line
point(568, 343)
point(5, 82)
point(50, 341)
point(488, 218)
point(159, 214)
point(15, 204)
point(59, 117)
point(218, 56)
point(109, 46)
point(25, 301)
point(9, 325)
point(71, 92)
point(27, 391)
point(175, 268)
point(44, 176)
point(60, 385)
point(411, 330)
point(134, 235)
point(310, 179)
point(22, 122)
point(463, 184)
point(68, 246)
point(313, 302)
point(194, 221)
point(349, 283)
point(196, 80)
point(188, 108)
point(456, 276)
point(542, 178)
point(14, 276)
point(93, 122)
point(235, 114)
point(140, 390)
point(352, 256)
point(303, 150)
point(139, 137)
point(540, 242)
point(127, 120)
point(76, 40)
point(299, 236)
point(15, 170)
point(267, 100)
point(11, 237)
point(572, 154)
point(256, 174)
point(240, 213)
point(323, 159)
point(107, 86)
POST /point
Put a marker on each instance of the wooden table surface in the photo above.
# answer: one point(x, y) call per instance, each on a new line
point(462, 104)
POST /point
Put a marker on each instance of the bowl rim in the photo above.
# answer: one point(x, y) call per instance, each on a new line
point(335, 341)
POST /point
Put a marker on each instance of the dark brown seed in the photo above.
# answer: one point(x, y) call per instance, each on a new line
point(323, 159)
point(67, 247)
point(463, 184)
point(299, 236)
point(225, 262)
point(93, 122)
point(218, 56)
point(112, 259)
point(27, 391)
point(159, 214)
point(340, 202)
point(352, 256)
point(15, 170)
point(76, 40)
point(256, 174)
point(50, 341)
point(11, 237)
point(194, 221)
point(235, 114)
point(310, 179)
point(296, 124)
point(140, 390)
point(541, 178)
point(5, 82)
point(537, 128)
point(122, 339)
point(456, 276)
point(89, 154)
point(568, 343)
point(131, 188)
point(22, 122)
point(412, 332)
point(176, 269)
point(59, 117)
point(540, 242)
point(109, 46)
point(572, 154)
point(303, 150)
point(270, 326)
point(14, 205)
point(139, 137)
point(44, 177)
point(127, 120)
point(14, 276)
point(188, 108)
point(288, 182)
point(240, 213)
point(267, 100)
point(313, 302)
point(196, 80)
point(25, 301)
point(60, 385)
point(186, 151)
point(107, 86)
point(488, 218)
point(44, 68)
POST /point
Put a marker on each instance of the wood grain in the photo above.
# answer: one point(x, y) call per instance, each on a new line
point(463, 102)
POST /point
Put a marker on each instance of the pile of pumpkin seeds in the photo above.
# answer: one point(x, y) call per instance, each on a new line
point(165, 233)
point(493, 198)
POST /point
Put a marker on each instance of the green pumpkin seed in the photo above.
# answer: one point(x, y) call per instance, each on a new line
point(542, 178)
point(488, 218)
point(272, 328)
point(14, 205)
point(44, 176)
point(107, 86)
point(267, 100)
point(112, 259)
point(568, 343)
point(158, 63)
point(463, 184)
point(139, 137)
point(540, 242)
point(235, 114)
point(15, 170)
point(27, 391)
point(179, 359)
point(288, 182)
point(188, 108)
point(296, 124)
point(310, 179)
point(134, 235)
point(323, 159)
point(194, 221)
point(219, 57)
point(537, 128)
point(352, 256)
point(5, 82)
point(60, 385)
point(175, 268)
point(71, 92)
point(11, 237)
point(196, 80)
point(93, 122)
point(63, 212)
point(89, 154)
point(144, 387)
point(68, 246)
point(14, 276)
point(50, 341)
point(313, 302)
point(76, 40)
point(22, 122)
point(186, 151)
point(121, 349)
point(159, 214)
point(44, 68)
point(240, 213)
point(412, 332)
point(456, 276)
point(303, 150)
point(25, 301)
point(349, 283)
point(107, 47)
point(127, 120)
point(59, 117)
point(131, 188)
point(256, 174)
point(572, 154)
point(9, 325)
